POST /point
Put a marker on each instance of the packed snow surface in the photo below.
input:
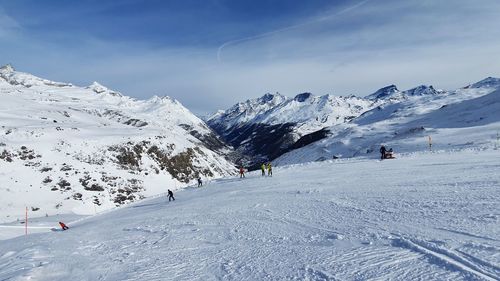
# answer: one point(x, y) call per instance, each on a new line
point(422, 216)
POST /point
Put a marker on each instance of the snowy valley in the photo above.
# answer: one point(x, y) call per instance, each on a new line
point(101, 162)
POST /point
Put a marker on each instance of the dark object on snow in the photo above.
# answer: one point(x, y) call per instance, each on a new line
point(386, 154)
point(382, 152)
point(200, 183)
point(389, 154)
point(242, 172)
point(170, 195)
point(63, 226)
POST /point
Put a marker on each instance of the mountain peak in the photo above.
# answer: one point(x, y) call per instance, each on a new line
point(421, 90)
point(163, 99)
point(488, 82)
point(13, 77)
point(268, 97)
point(97, 87)
point(7, 68)
point(100, 89)
point(302, 97)
point(384, 92)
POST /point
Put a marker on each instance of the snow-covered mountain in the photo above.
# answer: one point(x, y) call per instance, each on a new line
point(385, 92)
point(490, 82)
point(265, 128)
point(467, 117)
point(67, 148)
point(392, 93)
point(268, 126)
point(427, 215)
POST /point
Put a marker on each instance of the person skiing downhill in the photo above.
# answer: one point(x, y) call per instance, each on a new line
point(269, 169)
point(63, 225)
point(263, 168)
point(242, 172)
point(382, 152)
point(170, 195)
point(200, 183)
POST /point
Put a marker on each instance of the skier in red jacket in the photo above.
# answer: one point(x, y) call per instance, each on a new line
point(63, 226)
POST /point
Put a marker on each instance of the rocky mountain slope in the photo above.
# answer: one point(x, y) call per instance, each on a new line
point(67, 148)
point(266, 127)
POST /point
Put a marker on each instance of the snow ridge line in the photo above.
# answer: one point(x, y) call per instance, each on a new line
point(445, 257)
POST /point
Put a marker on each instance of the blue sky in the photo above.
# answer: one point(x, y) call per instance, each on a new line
point(210, 54)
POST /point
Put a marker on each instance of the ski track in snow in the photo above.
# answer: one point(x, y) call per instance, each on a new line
point(429, 216)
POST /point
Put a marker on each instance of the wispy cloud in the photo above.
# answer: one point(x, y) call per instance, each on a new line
point(407, 43)
point(288, 28)
point(8, 26)
point(353, 48)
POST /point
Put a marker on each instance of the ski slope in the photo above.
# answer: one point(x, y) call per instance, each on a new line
point(422, 216)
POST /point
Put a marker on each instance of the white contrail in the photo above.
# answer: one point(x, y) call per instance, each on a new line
point(269, 33)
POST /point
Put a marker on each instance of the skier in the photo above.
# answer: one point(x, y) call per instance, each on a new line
point(269, 169)
point(263, 168)
point(200, 183)
point(382, 152)
point(170, 195)
point(242, 172)
point(63, 225)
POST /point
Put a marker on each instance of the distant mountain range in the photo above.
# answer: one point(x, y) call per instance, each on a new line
point(265, 128)
point(83, 149)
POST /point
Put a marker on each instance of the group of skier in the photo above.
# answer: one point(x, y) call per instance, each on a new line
point(268, 166)
point(263, 168)
point(269, 169)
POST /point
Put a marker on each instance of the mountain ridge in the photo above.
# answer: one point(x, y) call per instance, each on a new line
point(311, 117)
point(92, 148)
